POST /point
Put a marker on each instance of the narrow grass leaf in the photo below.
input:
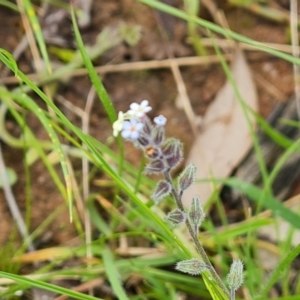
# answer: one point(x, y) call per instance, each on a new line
point(5, 136)
point(295, 297)
point(28, 102)
point(215, 291)
point(100, 89)
point(30, 139)
point(10, 58)
point(291, 123)
point(113, 274)
point(9, 5)
point(255, 194)
point(275, 135)
point(280, 269)
point(185, 283)
point(32, 106)
point(37, 32)
point(46, 286)
point(97, 219)
point(294, 147)
point(54, 253)
point(235, 230)
point(218, 29)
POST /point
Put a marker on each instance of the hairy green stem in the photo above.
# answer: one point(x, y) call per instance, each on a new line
point(198, 244)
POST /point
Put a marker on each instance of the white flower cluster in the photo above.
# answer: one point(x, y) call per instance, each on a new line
point(131, 123)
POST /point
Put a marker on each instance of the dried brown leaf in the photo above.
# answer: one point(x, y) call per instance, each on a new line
point(225, 137)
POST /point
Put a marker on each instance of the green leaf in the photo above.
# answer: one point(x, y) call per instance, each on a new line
point(9, 5)
point(99, 87)
point(46, 286)
point(35, 25)
point(275, 135)
point(280, 269)
point(218, 29)
point(113, 275)
point(270, 202)
point(11, 59)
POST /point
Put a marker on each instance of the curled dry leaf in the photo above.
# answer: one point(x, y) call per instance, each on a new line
point(224, 138)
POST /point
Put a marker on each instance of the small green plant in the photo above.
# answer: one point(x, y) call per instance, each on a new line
point(163, 155)
point(139, 219)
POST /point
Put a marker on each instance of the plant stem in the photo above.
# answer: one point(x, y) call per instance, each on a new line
point(232, 294)
point(194, 236)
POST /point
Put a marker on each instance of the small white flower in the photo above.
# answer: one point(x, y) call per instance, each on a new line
point(139, 110)
point(131, 129)
point(118, 124)
point(160, 121)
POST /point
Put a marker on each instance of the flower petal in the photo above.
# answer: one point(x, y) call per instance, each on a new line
point(160, 120)
point(125, 134)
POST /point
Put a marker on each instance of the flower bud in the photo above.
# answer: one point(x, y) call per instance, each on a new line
point(196, 214)
point(155, 166)
point(176, 157)
point(235, 277)
point(158, 135)
point(191, 266)
point(160, 121)
point(172, 152)
point(176, 217)
point(168, 147)
point(187, 177)
point(143, 140)
point(148, 127)
point(162, 189)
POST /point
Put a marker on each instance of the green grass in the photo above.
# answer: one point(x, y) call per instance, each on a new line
point(129, 206)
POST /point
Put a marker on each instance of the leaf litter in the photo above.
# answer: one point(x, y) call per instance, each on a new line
point(224, 138)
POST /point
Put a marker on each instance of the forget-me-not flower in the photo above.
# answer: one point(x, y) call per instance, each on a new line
point(139, 110)
point(131, 129)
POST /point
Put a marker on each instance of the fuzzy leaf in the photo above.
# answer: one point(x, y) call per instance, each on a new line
point(176, 216)
point(196, 214)
point(191, 266)
point(235, 277)
point(158, 135)
point(155, 167)
point(187, 177)
point(172, 152)
point(148, 127)
point(169, 146)
point(162, 189)
point(144, 139)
